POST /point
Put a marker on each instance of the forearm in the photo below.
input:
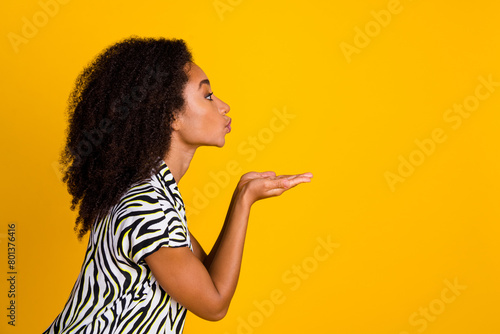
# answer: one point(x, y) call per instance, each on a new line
point(224, 268)
point(206, 288)
point(209, 258)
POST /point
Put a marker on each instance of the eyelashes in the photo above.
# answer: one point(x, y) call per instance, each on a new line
point(209, 96)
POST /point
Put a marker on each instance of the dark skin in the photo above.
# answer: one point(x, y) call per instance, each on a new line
point(205, 283)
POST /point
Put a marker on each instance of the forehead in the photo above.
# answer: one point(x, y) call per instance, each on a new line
point(195, 73)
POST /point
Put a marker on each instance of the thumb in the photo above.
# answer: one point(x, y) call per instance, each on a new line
point(267, 174)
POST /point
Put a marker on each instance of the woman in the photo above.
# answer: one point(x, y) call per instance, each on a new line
point(137, 115)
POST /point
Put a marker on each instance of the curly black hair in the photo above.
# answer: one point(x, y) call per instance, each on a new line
point(120, 114)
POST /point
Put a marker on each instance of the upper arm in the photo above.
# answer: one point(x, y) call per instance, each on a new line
point(184, 277)
point(197, 249)
point(149, 228)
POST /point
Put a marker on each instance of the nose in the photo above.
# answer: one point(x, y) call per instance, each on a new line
point(224, 107)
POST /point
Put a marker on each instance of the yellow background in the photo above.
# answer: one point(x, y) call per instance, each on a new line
point(353, 118)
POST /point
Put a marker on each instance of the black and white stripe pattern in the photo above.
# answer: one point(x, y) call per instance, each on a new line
point(115, 291)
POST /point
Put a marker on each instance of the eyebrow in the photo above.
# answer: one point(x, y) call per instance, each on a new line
point(204, 81)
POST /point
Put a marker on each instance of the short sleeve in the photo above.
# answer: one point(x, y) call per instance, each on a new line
point(150, 222)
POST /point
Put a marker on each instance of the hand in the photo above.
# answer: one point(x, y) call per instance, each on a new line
point(256, 186)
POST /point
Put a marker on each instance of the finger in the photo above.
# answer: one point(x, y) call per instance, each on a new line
point(288, 176)
point(278, 183)
point(268, 174)
point(250, 175)
point(255, 175)
point(298, 180)
point(291, 177)
point(303, 174)
point(282, 177)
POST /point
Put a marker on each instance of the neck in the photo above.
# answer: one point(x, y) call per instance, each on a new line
point(178, 158)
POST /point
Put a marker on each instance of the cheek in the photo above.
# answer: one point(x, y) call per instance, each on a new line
point(203, 122)
point(205, 119)
point(202, 126)
point(195, 117)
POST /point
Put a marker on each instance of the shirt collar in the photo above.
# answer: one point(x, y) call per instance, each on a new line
point(170, 185)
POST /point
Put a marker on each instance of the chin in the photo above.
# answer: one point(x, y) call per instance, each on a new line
point(216, 144)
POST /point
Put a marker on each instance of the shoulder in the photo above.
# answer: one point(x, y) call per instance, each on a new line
point(139, 195)
point(147, 219)
point(146, 198)
point(147, 191)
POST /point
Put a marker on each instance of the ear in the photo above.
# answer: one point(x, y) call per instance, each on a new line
point(177, 122)
point(175, 125)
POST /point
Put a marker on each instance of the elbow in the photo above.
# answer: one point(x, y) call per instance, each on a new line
point(222, 313)
point(216, 313)
point(216, 317)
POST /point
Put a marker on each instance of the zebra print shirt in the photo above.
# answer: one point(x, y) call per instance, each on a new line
point(115, 291)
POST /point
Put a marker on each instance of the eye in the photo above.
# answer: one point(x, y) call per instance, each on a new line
point(209, 96)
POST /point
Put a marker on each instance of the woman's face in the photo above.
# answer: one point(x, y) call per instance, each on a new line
point(203, 121)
